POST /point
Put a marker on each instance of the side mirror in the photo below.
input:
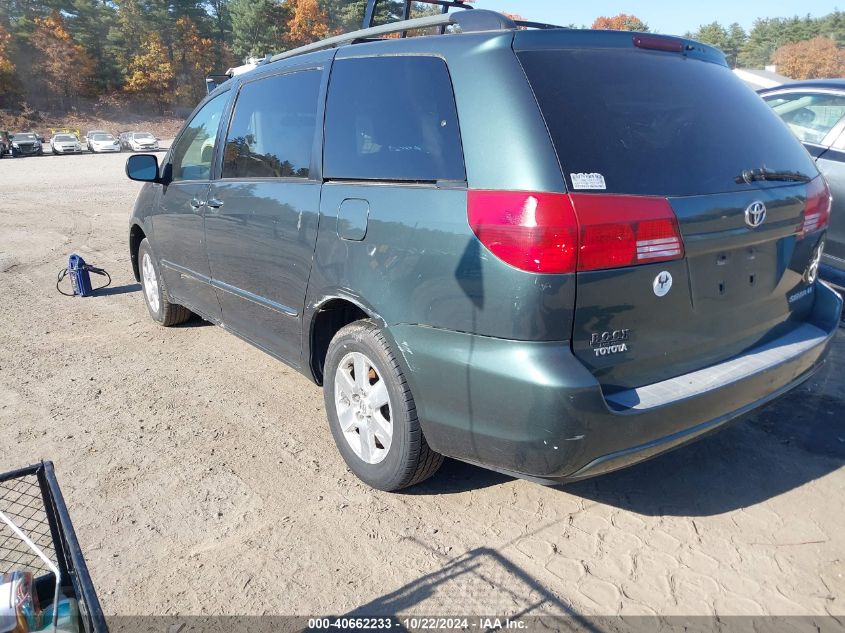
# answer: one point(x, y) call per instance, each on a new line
point(142, 167)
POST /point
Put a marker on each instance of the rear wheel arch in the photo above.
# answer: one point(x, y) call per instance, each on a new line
point(327, 319)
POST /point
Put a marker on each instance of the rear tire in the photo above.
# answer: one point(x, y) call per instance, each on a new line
point(375, 426)
point(161, 309)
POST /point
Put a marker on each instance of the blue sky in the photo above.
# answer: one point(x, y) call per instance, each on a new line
point(666, 16)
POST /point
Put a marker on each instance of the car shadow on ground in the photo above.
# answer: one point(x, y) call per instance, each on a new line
point(797, 440)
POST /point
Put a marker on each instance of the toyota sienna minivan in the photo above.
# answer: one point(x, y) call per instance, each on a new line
point(549, 252)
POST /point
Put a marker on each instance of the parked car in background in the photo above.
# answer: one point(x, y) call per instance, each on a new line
point(26, 144)
point(626, 265)
point(815, 112)
point(89, 135)
point(66, 144)
point(103, 142)
point(139, 141)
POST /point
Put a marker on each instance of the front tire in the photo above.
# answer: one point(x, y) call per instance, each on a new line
point(371, 411)
point(155, 292)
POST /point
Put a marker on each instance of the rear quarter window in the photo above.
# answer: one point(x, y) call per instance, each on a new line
point(392, 118)
point(654, 123)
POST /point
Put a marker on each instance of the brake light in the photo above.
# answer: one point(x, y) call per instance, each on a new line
point(560, 233)
point(817, 207)
point(621, 231)
point(658, 43)
point(535, 232)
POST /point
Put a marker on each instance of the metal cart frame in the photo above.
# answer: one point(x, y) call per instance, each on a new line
point(20, 488)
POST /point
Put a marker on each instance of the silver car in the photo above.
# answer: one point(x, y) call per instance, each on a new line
point(815, 112)
point(141, 141)
point(66, 144)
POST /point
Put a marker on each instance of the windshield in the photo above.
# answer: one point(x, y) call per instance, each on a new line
point(65, 137)
point(103, 137)
point(23, 137)
point(144, 136)
point(627, 121)
point(810, 116)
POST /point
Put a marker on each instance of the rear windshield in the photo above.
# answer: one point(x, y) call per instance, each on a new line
point(644, 123)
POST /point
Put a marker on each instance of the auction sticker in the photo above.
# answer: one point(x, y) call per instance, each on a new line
point(587, 181)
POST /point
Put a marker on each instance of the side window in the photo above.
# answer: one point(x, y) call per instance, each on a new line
point(193, 152)
point(272, 130)
point(810, 116)
point(392, 118)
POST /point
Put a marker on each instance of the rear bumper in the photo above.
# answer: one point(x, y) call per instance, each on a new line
point(533, 410)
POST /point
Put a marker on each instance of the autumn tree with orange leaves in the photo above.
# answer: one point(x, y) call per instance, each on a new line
point(194, 59)
point(812, 59)
point(151, 74)
point(308, 22)
point(65, 70)
point(621, 22)
point(9, 82)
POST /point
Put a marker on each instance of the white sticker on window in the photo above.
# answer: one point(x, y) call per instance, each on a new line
point(587, 181)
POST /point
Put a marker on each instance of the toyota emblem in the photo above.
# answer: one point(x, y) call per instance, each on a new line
point(755, 214)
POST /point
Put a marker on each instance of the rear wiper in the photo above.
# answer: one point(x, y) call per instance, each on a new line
point(752, 175)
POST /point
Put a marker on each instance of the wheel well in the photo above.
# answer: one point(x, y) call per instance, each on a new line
point(331, 316)
point(136, 236)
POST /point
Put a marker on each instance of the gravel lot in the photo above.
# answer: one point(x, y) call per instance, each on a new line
point(202, 477)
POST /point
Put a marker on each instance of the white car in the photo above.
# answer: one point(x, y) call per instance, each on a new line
point(141, 141)
point(66, 144)
point(89, 135)
point(103, 142)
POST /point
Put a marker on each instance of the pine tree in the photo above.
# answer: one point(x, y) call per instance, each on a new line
point(258, 27)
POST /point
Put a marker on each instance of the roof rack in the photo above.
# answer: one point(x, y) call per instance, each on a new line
point(445, 5)
point(476, 20)
point(467, 21)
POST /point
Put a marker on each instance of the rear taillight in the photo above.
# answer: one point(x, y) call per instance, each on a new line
point(560, 233)
point(537, 232)
point(817, 208)
point(621, 231)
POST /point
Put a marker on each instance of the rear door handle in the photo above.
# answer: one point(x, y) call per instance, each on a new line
point(195, 203)
point(214, 203)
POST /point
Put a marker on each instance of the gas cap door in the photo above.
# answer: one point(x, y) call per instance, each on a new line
point(352, 216)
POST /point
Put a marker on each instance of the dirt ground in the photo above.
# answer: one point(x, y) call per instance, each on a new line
point(202, 478)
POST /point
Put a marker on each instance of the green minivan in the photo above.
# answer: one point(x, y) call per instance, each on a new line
point(549, 252)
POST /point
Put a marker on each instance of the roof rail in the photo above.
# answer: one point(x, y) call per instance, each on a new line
point(476, 20)
point(370, 13)
point(467, 21)
point(445, 5)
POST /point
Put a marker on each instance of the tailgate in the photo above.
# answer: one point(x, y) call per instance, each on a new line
point(737, 286)
point(650, 127)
